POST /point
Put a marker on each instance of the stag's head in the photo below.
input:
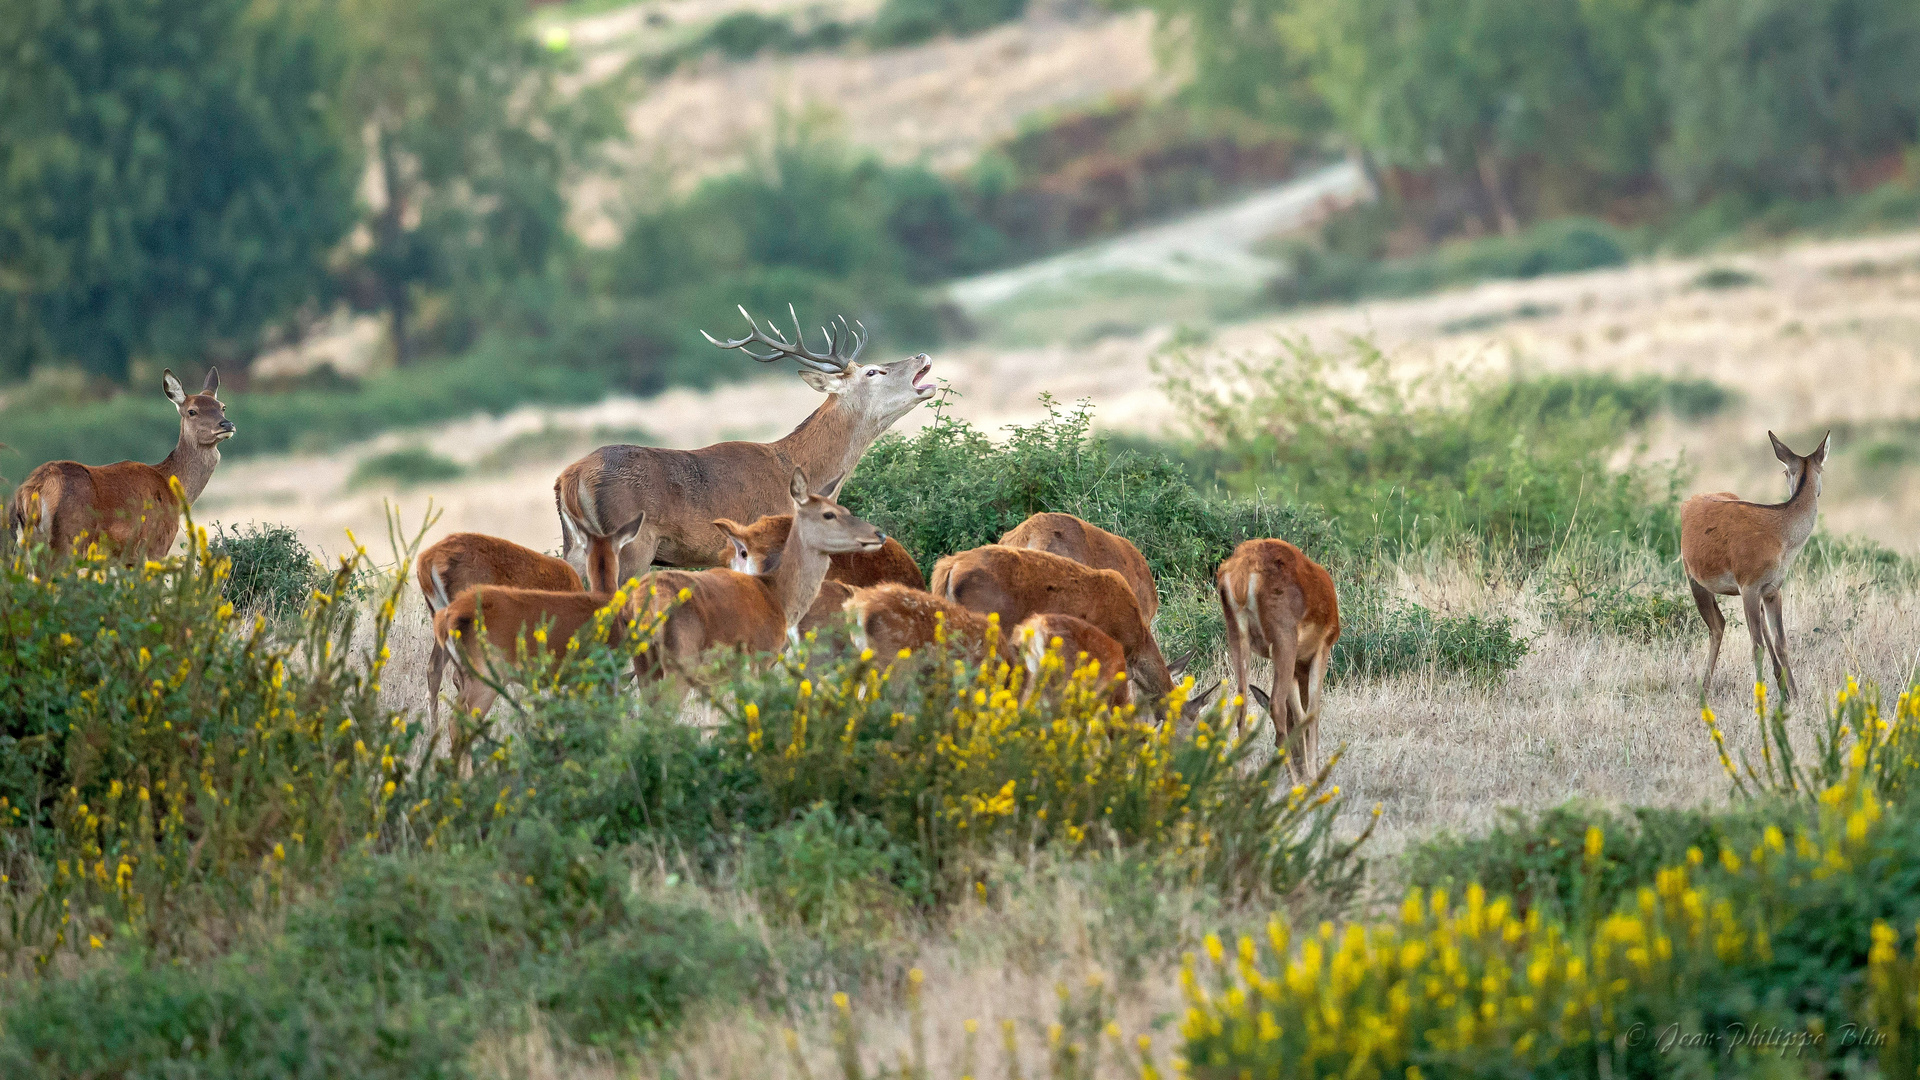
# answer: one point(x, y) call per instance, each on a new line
point(881, 393)
point(203, 418)
point(1800, 469)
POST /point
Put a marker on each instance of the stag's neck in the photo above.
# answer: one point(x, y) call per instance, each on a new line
point(796, 581)
point(828, 443)
point(192, 464)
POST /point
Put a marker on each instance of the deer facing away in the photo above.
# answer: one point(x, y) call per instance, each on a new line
point(128, 506)
point(461, 561)
point(1731, 547)
point(1283, 604)
point(679, 493)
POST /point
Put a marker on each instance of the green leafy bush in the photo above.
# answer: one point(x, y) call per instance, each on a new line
point(1380, 638)
point(833, 875)
point(269, 569)
point(1334, 270)
point(908, 22)
point(406, 466)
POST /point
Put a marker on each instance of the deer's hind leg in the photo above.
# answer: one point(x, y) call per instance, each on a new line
point(1776, 625)
point(1237, 649)
point(1709, 606)
point(1755, 607)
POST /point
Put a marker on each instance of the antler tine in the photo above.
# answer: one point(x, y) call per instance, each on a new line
point(778, 342)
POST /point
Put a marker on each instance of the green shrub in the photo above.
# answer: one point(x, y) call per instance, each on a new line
point(269, 568)
point(406, 466)
point(1335, 269)
point(835, 876)
point(1716, 278)
point(1609, 607)
point(908, 22)
point(1380, 638)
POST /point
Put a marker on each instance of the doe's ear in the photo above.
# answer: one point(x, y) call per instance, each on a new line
point(213, 383)
point(827, 382)
point(831, 489)
point(172, 386)
point(798, 489)
point(734, 530)
point(1787, 457)
point(1819, 455)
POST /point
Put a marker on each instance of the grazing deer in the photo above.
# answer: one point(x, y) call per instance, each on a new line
point(1018, 582)
point(507, 612)
point(1089, 545)
point(757, 547)
point(1282, 603)
point(1731, 547)
point(891, 619)
point(754, 612)
point(129, 506)
point(679, 493)
point(1077, 641)
point(464, 560)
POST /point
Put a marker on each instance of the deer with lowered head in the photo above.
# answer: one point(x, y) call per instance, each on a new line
point(1731, 547)
point(1077, 641)
point(679, 494)
point(757, 547)
point(892, 619)
point(1089, 545)
point(722, 608)
point(459, 562)
point(485, 619)
point(129, 506)
point(1016, 583)
point(1281, 603)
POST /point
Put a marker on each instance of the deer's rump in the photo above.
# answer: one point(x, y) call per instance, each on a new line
point(71, 498)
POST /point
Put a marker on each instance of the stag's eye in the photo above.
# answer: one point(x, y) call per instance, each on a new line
point(193, 412)
point(873, 371)
point(828, 515)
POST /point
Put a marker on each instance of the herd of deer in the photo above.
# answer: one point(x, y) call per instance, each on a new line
point(753, 553)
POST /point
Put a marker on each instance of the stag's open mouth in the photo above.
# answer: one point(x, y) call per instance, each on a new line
point(925, 371)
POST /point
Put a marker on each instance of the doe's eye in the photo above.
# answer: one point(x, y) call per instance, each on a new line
point(193, 412)
point(828, 516)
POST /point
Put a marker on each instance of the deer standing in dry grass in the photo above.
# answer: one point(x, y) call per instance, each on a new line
point(508, 615)
point(1731, 547)
point(462, 561)
point(129, 506)
point(1015, 583)
point(680, 493)
point(1089, 545)
point(757, 547)
point(1280, 602)
point(756, 612)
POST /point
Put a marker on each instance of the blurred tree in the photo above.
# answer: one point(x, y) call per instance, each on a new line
point(472, 141)
point(171, 175)
point(1244, 60)
point(1776, 97)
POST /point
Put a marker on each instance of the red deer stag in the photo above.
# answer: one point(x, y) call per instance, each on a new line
point(1731, 547)
point(680, 493)
point(1089, 545)
point(756, 550)
point(507, 613)
point(754, 612)
point(1018, 582)
point(129, 506)
point(1280, 602)
point(464, 560)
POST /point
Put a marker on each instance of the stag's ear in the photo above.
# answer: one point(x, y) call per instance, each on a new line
point(798, 489)
point(1787, 457)
point(628, 533)
point(1819, 456)
point(172, 386)
point(213, 383)
point(827, 382)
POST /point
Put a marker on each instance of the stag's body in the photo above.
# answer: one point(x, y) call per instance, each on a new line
point(890, 619)
point(1731, 547)
point(1015, 583)
point(511, 614)
point(756, 613)
point(462, 561)
point(1089, 545)
point(1077, 641)
point(1282, 604)
point(129, 506)
point(679, 493)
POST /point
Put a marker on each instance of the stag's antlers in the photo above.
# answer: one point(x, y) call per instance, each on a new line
point(831, 362)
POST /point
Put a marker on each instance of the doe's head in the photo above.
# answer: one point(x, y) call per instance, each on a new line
point(203, 417)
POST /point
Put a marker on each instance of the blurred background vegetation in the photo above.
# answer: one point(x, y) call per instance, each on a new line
point(188, 184)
